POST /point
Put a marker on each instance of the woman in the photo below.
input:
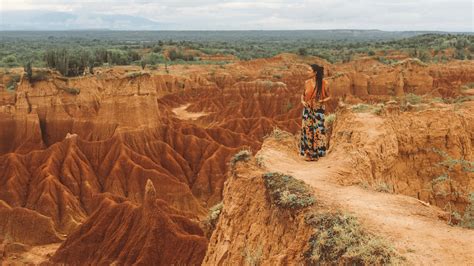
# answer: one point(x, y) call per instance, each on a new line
point(313, 132)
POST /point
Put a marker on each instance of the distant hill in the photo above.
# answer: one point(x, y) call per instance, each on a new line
point(47, 20)
point(229, 36)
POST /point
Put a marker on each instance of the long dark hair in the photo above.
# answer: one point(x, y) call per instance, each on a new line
point(319, 70)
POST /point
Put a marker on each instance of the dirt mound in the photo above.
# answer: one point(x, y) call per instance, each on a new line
point(126, 233)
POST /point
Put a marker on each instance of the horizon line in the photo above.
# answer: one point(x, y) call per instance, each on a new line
point(227, 30)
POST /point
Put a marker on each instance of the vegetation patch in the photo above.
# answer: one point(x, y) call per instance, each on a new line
point(440, 179)
point(384, 187)
point(243, 155)
point(288, 106)
point(386, 61)
point(279, 134)
point(72, 55)
point(288, 192)
point(329, 120)
point(411, 102)
point(212, 217)
point(12, 83)
point(260, 161)
point(449, 162)
point(378, 109)
point(340, 239)
point(252, 256)
point(412, 99)
point(361, 108)
point(39, 75)
point(73, 91)
point(133, 75)
point(467, 86)
point(468, 217)
point(462, 99)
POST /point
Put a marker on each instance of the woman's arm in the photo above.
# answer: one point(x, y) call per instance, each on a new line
point(327, 92)
point(325, 99)
point(303, 102)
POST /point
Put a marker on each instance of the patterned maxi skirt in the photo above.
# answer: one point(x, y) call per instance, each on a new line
point(313, 133)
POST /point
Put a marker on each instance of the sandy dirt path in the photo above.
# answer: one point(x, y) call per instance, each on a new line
point(181, 113)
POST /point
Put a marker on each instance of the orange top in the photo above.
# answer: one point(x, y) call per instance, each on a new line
point(310, 90)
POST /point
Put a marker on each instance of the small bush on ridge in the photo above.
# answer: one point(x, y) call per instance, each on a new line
point(210, 222)
point(288, 192)
point(340, 238)
point(243, 155)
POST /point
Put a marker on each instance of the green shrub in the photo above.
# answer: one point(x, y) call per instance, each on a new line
point(133, 75)
point(383, 187)
point(440, 179)
point(329, 120)
point(340, 239)
point(177, 54)
point(10, 61)
point(288, 192)
point(378, 109)
point(408, 100)
point(413, 98)
point(243, 155)
point(28, 70)
point(468, 86)
point(213, 216)
point(468, 217)
point(39, 76)
point(279, 134)
point(386, 61)
point(12, 83)
point(260, 161)
point(153, 59)
point(361, 108)
point(252, 257)
point(437, 100)
point(302, 51)
point(450, 162)
point(462, 99)
point(73, 91)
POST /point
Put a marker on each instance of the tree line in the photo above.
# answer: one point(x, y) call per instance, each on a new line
point(75, 62)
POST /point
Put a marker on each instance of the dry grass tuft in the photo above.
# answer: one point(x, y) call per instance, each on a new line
point(288, 192)
point(340, 239)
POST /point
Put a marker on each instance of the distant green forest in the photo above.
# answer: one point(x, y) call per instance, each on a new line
point(71, 52)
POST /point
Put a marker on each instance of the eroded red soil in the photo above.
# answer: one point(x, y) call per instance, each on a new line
point(73, 168)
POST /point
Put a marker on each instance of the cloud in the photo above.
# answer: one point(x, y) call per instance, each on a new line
point(448, 15)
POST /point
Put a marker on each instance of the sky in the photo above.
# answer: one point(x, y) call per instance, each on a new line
point(401, 15)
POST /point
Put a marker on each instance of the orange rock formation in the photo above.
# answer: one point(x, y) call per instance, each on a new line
point(76, 154)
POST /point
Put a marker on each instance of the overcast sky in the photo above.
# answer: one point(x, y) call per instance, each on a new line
point(443, 15)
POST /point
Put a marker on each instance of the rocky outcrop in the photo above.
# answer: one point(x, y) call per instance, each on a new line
point(424, 154)
point(253, 231)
